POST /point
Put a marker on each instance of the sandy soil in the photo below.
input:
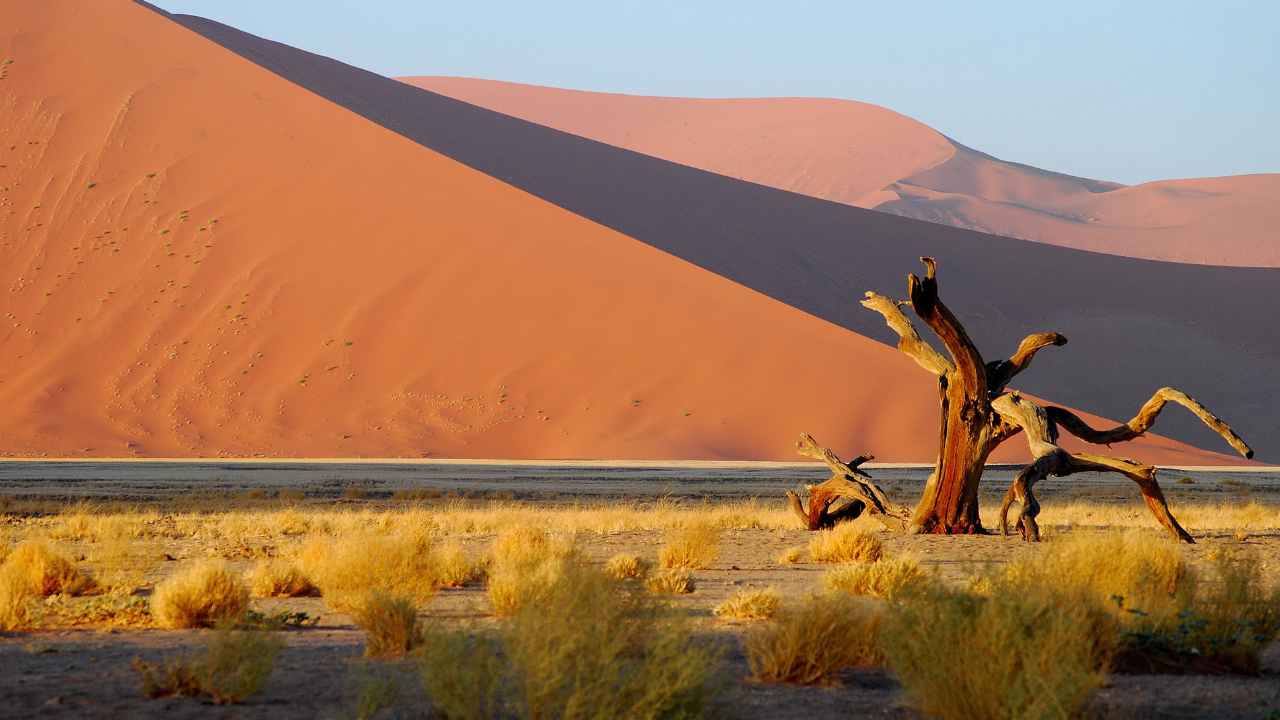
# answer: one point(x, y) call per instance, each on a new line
point(85, 673)
point(872, 157)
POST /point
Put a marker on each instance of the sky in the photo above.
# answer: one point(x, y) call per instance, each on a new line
point(1125, 91)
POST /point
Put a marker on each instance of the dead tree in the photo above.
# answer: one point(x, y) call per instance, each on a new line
point(978, 414)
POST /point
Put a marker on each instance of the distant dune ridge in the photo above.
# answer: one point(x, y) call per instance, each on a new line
point(872, 157)
point(202, 258)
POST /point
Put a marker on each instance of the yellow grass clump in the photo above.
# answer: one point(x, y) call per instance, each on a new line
point(279, 578)
point(453, 568)
point(693, 547)
point(234, 666)
point(349, 566)
point(1027, 653)
point(201, 596)
point(672, 581)
point(750, 605)
point(791, 556)
point(15, 597)
point(811, 643)
point(389, 624)
point(526, 563)
point(43, 571)
point(845, 543)
point(884, 579)
point(625, 566)
point(589, 647)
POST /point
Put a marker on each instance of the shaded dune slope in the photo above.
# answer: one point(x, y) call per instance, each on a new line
point(872, 157)
point(201, 258)
point(1134, 324)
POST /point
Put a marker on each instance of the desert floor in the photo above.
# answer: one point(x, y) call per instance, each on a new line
point(80, 671)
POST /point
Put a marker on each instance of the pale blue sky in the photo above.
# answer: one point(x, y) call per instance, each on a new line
point(1125, 91)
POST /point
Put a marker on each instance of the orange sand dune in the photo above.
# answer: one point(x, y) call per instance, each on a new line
point(199, 259)
point(871, 157)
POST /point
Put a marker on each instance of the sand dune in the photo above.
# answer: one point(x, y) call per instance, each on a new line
point(844, 151)
point(194, 267)
point(1134, 324)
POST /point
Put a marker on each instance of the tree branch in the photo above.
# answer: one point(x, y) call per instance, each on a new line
point(925, 301)
point(1145, 418)
point(909, 341)
point(1050, 459)
point(1000, 372)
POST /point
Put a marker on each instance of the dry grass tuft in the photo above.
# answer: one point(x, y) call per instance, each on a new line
point(526, 564)
point(811, 643)
point(15, 599)
point(278, 578)
point(202, 596)
point(845, 543)
point(453, 568)
point(693, 547)
point(625, 566)
point(672, 581)
point(590, 647)
point(234, 666)
point(1034, 653)
point(389, 624)
point(750, 605)
point(44, 571)
point(348, 567)
point(791, 556)
point(884, 579)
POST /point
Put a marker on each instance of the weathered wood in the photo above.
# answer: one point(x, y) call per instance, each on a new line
point(853, 490)
point(1145, 418)
point(977, 415)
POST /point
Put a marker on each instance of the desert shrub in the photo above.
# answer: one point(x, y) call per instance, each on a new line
point(811, 643)
point(234, 666)
point(883, 579)
point(750, 605)
point(1224, 628)
point(1027, 653)
point(591, 647)
point(625, 566)
point(453, 568)
point(672, 581)
point(278, 578)
point(15, 599)
point(791, 556)
point(202, 596)
point(389, 624)
point(692, 547)
point(1119, 570)
point(374, 691)
point(463, 673)
point(845, 543)
point(45, 571)
point(347, 568)
point(526, 564)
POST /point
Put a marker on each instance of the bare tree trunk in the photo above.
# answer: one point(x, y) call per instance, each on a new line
point(977, 416)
